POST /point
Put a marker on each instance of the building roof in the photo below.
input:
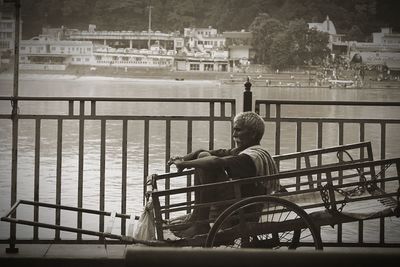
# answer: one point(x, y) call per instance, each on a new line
point(43, 41)
point(326, 26)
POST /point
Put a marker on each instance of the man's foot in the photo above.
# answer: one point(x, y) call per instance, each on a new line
point(195, 229)
point(183, 222)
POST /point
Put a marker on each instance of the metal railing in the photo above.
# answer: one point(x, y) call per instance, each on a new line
point(276, 112)
point(82, 110)
point(273, 111)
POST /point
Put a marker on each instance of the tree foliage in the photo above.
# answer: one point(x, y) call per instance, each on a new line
point(172, 15)
point(283, 46)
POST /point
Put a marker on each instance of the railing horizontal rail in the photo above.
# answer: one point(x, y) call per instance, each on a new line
point(114, 99)
point(328, 102)
point(122, 117)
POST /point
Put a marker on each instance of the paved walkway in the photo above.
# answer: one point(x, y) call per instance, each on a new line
point(64, 255)
point(114, 255)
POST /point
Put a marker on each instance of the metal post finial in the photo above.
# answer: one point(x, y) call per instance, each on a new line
point(247, 96)
point(247, 84)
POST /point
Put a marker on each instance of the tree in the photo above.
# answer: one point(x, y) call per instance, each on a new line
point(297, 33)
point(297, 46)
point(355, 34)
point(317, 47)
point(280, 58)
point(264, 30)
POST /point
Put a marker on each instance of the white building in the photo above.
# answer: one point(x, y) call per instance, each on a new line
point(383, 50)
point(7, 31)
point(44, 52)
point(328, 27)
point(240, 49)
point(203, 39)
point(386, 37)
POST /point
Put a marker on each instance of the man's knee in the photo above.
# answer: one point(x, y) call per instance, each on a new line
point(203, 154)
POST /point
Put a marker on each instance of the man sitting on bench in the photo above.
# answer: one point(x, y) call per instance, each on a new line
point(247, 159)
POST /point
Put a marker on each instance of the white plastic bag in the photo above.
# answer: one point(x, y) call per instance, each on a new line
point(145, 226)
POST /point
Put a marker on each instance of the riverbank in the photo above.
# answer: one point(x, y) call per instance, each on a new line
point(120, 72)
point(257, 78)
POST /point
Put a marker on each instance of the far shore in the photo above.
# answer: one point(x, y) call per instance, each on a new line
point(134, 73)
point(167, 75)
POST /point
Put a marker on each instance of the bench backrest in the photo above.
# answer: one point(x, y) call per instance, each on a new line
point(330, 156)
point(322, 157)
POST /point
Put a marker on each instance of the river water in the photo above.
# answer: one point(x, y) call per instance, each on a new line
point(57, 85)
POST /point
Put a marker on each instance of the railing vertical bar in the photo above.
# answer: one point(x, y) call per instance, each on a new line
point(146, 156)
point(93, 108)
point(268, 111)
point(211, 129)
point(382, 184)
point(319, 145)
point(80, 170)
point(70, 107)
point(14, 174)
point(124, 173)
point(189, 147)
point(233, 110)
point(362, 156)
point(257, 108)
point(233, 114)
point(307, 162)
point(298, 149)
point(278, 130)
point(222, 108)
point(341, 141)
point(340, 181)
point(360, 232)
point(103, 125)
point(37, 176)
point(58, 175)
point(167, 157)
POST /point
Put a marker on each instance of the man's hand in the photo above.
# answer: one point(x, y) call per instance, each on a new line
point(177, 161)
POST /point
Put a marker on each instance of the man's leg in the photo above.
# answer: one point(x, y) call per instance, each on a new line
point(203, 176)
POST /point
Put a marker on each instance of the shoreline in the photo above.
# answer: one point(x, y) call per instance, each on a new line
point(76, 72)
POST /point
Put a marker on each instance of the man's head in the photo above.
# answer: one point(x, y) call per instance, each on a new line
point(248, 129)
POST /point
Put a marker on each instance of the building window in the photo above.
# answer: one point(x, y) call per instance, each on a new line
point(209, 67)
point(195, 67)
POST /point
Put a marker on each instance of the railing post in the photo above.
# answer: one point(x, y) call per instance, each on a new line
point(247, 96)
point(14, 118)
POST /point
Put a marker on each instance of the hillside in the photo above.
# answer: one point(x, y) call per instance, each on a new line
point(361, 17)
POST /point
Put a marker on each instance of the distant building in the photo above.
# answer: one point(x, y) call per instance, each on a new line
point(239, 47)
point(203, 39)
point(335, 40)
point(386, 37)
point(383, 50)
point(129, 39)
point(47, 53)
point(7, 31)
point(201, 64)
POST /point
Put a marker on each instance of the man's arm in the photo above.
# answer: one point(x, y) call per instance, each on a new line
point(210, 162)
